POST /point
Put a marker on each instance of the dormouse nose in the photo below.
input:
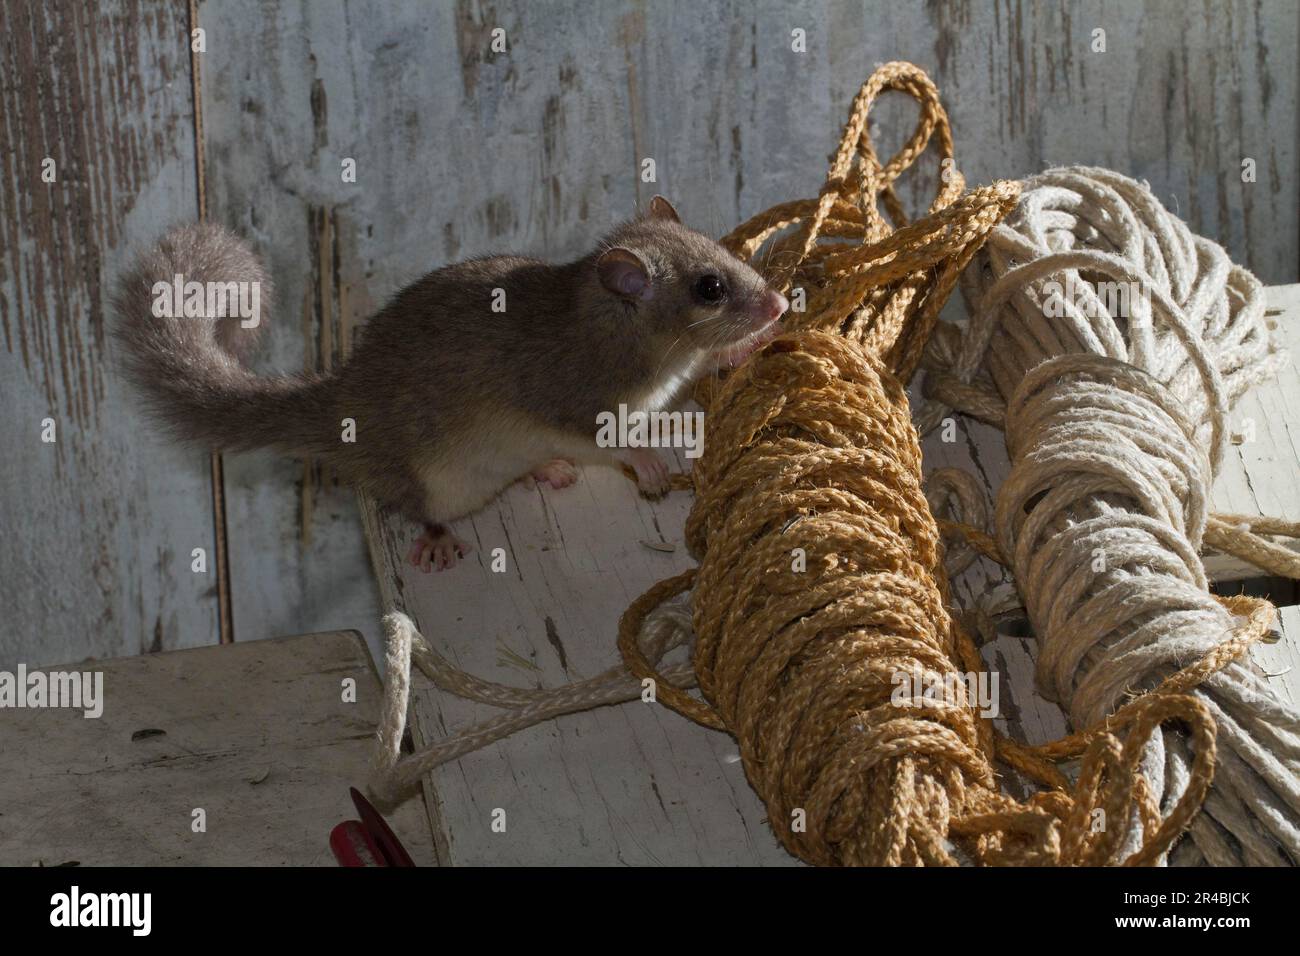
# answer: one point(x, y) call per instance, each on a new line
point(776, 304)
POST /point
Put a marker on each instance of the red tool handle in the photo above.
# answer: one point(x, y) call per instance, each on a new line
point(353, 846)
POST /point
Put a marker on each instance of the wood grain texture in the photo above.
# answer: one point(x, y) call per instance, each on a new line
point(1262, 464)
point(297, 562)
point(257, 735)
point(1183, 93)
point(98, 526)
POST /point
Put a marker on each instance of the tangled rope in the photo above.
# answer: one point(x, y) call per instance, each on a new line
point(1109, 342)
point(810, 454)
point(821, 582)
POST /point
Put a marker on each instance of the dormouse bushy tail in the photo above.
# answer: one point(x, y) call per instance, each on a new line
point(189, 311)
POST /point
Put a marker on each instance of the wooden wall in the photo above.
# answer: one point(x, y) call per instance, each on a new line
point(96, 528)
point(460, 151)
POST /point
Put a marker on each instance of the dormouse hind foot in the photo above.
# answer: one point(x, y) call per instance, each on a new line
point(652, 474)
point(436, 549)
point(558, 473)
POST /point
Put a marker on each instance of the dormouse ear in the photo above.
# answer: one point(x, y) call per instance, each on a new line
point(661, 208)
point(624, 273)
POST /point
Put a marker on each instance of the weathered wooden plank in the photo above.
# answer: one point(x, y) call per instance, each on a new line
point(274, 135)
point(99, 526)
point(1260, 468)
point(258, 735)
point(1182, 95)
point(1281, 660)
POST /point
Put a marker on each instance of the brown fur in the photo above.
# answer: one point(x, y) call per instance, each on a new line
point(451, 400)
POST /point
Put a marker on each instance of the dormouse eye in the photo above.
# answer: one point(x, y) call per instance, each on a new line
point(710, 289)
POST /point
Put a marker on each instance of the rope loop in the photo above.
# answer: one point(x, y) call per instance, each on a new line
point(879, 284)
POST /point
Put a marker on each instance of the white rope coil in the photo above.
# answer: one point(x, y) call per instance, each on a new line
point(1109, 342)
